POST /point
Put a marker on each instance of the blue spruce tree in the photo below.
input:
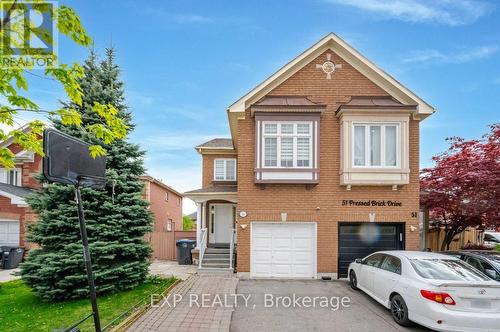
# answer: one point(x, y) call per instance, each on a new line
point(117, 217)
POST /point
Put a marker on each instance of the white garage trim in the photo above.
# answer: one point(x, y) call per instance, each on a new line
point(313, 274)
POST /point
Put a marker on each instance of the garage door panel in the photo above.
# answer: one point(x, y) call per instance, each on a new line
point(279, 243)
point(282, 270)
point(262, 257)
point(301, 243)
point(291, 253)
point(363, 239)
point(260, 243)
point(262, 231)
point(302, 257)
point(303, 271)
point(9, 233)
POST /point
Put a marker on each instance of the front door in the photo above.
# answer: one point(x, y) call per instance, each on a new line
point(223, 223)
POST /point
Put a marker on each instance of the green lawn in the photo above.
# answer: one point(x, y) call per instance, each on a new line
point(20, 310)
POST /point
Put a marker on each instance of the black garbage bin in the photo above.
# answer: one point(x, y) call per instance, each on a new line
point(11, 257)
point(184, 247)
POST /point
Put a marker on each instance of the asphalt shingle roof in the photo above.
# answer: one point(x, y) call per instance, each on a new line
point(217, 189)
point(218, 143)
point(15, 190)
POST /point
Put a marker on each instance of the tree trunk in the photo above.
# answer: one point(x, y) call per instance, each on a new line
point(448, 238)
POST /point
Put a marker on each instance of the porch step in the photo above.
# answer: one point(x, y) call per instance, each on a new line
point(222, 260)
point(217, 251)
point(215, 264)
point(218, 271)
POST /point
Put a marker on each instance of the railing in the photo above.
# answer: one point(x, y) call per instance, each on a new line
point(203, 245)
point(231, 248)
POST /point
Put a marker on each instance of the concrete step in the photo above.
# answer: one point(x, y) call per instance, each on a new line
point(211, 271)
point(216, 265)
point(217, 251)
point(224, 260)
point(211, 255)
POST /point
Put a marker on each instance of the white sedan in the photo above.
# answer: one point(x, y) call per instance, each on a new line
point(437, 291)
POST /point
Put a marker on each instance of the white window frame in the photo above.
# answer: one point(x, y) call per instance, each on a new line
point(225, 160)
point(278, 137)
point(382, 144)
point(4, 176)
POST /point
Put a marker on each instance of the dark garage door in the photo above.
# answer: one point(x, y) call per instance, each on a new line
point(357, 240)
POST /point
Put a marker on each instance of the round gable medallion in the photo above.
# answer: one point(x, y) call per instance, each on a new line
point(328, 67)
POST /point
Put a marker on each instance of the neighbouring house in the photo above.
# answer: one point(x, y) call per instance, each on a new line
point(166, 206)
point(193, 216)
point(165, 203)
point(15, 184)
point(322, 168)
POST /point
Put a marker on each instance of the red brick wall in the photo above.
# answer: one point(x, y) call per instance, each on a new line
point(322, 203)
point(24, 214)
point(163, 209)
point(208, 167)
point(30, 169)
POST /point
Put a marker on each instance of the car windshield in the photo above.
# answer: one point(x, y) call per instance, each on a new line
point(446, 269)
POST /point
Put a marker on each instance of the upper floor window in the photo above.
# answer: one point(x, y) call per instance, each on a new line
point(287, 144)
point(376, 145)
point(225, 169)
point(11, 176)
point(166, 196)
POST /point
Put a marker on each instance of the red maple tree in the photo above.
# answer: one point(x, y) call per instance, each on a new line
point(463, 187)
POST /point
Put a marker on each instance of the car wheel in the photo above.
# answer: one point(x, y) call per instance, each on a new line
point(399, 311)
point(353, 281)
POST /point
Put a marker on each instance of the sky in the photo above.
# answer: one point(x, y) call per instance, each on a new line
point(184, 62)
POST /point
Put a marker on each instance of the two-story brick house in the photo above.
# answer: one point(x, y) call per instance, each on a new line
point(15, 184)
point(165, 203)
point(322, 167)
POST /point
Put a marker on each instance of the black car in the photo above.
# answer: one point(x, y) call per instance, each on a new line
point(485, 261)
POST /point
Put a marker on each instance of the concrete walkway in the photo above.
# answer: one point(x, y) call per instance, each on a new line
point(172, 268)
point(7, 275)
point(197, 309)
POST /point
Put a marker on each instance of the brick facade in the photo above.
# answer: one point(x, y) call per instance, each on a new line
point(321, 203)
point(162, 208)
point(208, 168)
point(14, 212)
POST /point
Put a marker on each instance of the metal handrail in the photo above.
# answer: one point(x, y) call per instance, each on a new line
point(231, 248)
point(203, 245)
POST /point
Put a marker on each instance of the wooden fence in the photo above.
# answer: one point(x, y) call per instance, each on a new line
point(435, 237)
point(163, 243)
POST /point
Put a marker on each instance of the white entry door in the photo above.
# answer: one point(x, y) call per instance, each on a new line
point(223, 223)
point(9, 232)
point(283, 250)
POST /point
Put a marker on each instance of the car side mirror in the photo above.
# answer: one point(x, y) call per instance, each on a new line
point(359, 260)
point(491, 273)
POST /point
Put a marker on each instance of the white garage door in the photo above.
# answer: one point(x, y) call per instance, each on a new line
point(283, 250)
point(9, 233)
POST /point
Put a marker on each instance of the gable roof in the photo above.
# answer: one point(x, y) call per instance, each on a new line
point(330, 42)
point(149, 178)
point(15, 193)
point(217, 143)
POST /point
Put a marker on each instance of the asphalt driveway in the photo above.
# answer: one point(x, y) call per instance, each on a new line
point(277, 310)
